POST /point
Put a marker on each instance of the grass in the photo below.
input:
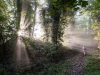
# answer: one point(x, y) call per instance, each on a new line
point(93, 66)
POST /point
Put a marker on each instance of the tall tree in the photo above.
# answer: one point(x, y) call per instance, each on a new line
point(23, 8)
point(39, 31)
point(24, 21)
point(57, 7)
point(95, 11)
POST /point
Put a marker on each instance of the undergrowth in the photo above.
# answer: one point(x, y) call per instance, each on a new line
point(93, 66)
point(55, 64)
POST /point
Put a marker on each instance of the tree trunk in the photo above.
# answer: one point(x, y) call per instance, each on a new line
point(18, 3)
point(55, 28)
point(24, 19)
point(39, 32)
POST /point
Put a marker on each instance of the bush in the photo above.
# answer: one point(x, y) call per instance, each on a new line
point(93, 66)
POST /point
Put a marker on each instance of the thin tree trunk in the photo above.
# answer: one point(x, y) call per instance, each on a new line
point(18, 3)
point(39, 32)
point(55, 28)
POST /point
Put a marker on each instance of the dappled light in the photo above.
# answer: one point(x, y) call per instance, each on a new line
point(49, 37)
point(39, 32)
point(43, 3)
point(38, 28)
point(79, 36)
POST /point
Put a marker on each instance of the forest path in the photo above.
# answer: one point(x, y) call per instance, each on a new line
point(78, 65)
point(86, 45)
point(82, 42)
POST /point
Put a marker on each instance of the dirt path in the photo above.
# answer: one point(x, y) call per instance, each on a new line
point(85, 44)
point(78, 65)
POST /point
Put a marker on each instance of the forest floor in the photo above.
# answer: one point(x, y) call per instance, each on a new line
point(46, 61)
point(87, 48)
point(78, 65)
point(66, 62)
point(84, 65)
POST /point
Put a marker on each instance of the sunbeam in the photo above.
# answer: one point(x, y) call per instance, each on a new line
point(21, 53)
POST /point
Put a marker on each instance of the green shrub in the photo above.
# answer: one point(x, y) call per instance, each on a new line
point(93, 66)
point(55, 69)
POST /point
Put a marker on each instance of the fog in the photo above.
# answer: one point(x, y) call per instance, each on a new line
point(80, 35)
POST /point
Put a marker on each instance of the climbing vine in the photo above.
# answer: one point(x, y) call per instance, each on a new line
point(58, 9)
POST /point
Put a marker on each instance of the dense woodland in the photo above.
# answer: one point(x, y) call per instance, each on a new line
point(49, 37)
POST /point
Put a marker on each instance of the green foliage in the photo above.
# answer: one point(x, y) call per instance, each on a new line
point(95, 6)
point(2, 18)
point(83, 3)
point(59, 7)
point(46, 48)
point(7, 26)
point(48, 69)
point(55, 69)
point(2, 6)
point(62, 5)
point(3, 71)
point(2, 11)
point(49, 66)
point(96, 28)
point(94, 9)
point(93, 66)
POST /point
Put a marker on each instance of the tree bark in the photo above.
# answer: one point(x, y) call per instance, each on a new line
point(55, 28)
point(24, 20)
